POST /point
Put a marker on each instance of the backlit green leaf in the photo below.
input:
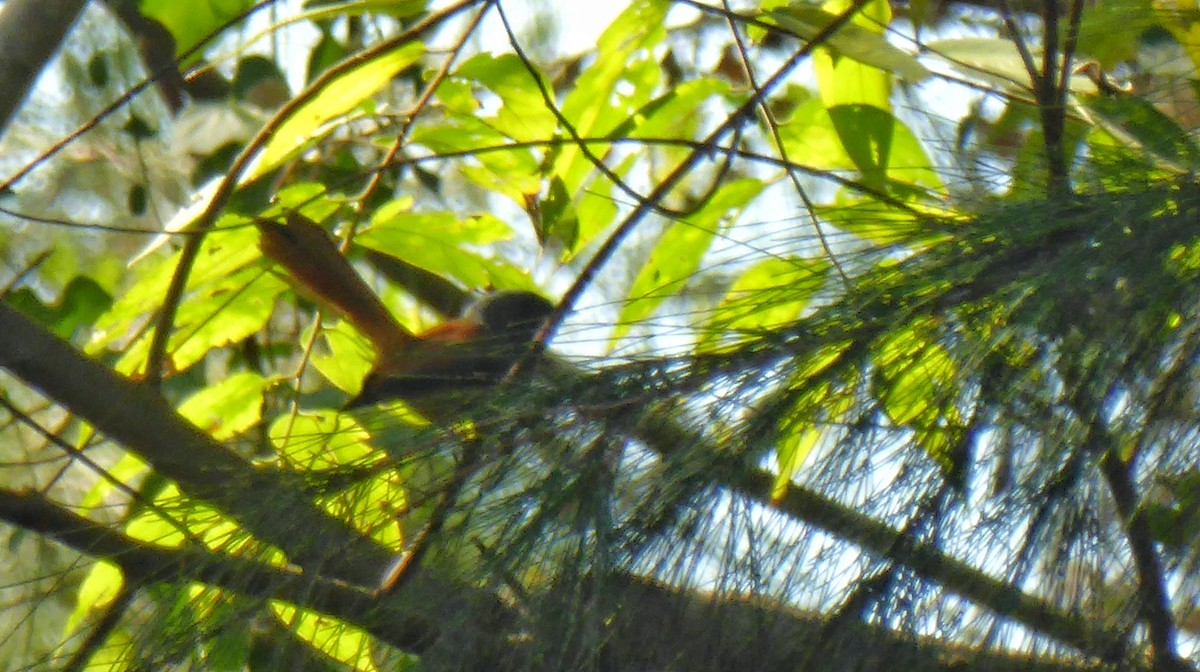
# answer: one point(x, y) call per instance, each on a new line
point(82, 301)
point(445, 244)
point(324, 440)
point(229, 297)
point(227, 408)
point(337, 639)
point(522, 114)
point(679, 251)
point(624, 54)
point(190, 22)
point(996, 63)
point(337, 97)
point(853, 40)
point(349, 357)
point(770, 295)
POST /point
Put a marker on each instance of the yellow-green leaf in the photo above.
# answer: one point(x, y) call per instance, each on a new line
point(228, 408)
point(445, 244)
point(99, 588)
point(337, 639)
point(769, 295)
point(522, 115)
point(337, 97)
point(997, 64)
point(322, 440)
point(793, 449)
point(853, 40)
point(679, 251)
point(190, 22)
point(597, 104)
point(349, 357)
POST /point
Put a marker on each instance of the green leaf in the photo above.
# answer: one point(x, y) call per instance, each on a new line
point(228, 408)
point(792, 450)
point(465, 134)
point(1136, 121)
point(914, 373)
point(129, 469)
point(136, 303)
point(996, 64)
point(514, 172)
point(522, 114)
point(457, 98)
point(866, 134)
point(397, 9)
point(229, 297)
point(858, 40)
point(310, 199)
point(348, 360)
point(598, 104)
point(190, 22)
point(679, 251)
point(596, 206)
point(337, 639)
point(557, 219)
point(98, 589)
point(337, 97)
point(881, 223)
point(677, 111)
point(1111, 47)
point(916, 384)
point(320, 441)
point(221, 314)
point(328, 441)
point(845, 81)
point(863, 138)
point(811, 139)
point(202, 522)
point(81, 303)
point(770, 295)
point(445, 243)
point(819, 405)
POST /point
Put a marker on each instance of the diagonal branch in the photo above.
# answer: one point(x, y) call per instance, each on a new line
point(145, 564)
point(136, 416)
point(30, 33)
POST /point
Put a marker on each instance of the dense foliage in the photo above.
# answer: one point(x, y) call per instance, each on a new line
point(875, 342)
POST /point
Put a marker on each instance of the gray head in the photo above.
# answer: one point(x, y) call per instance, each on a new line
point(515, 315)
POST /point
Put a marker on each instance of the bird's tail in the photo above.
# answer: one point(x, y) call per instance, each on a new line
point(310, 256)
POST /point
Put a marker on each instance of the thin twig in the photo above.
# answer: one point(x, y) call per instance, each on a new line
point(769, 116)
point(155, 358)
point(124, 99)
point(589, 272)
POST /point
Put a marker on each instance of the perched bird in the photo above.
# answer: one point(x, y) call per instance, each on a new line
point(471, 352)
point(429, 371)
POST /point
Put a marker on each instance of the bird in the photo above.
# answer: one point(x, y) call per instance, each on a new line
point(433, 372)
point(474, 351)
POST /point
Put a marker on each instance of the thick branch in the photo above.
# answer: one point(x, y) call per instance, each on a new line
point(30, 33)
point(138, 418)
point(145, 564)
point(732, 633)
point(752, 635)
point(1155, 605)
point(884, 541)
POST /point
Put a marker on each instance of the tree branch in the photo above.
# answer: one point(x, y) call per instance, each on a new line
point(30, 33)
point(144, 564)
point(136, 416)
